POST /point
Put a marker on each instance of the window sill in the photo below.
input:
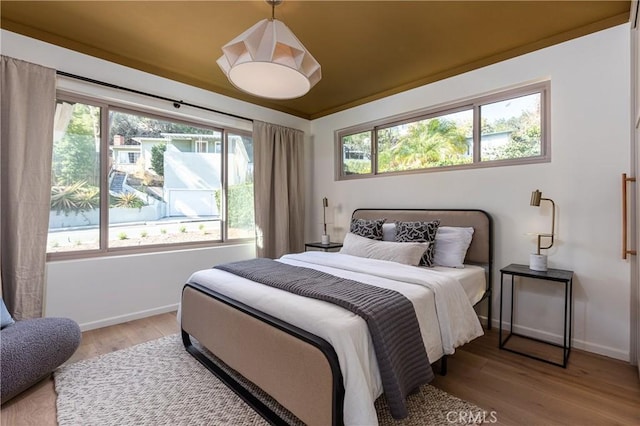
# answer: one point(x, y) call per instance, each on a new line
point(136, 250)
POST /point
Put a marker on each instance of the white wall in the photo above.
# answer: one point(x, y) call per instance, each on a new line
point(589, 148)
point(103, 291)
point(110, 290)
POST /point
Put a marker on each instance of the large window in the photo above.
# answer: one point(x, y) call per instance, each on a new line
point(506, 128)
point(124, 179)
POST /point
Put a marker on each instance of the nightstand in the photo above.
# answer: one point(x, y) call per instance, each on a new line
point(323, 247)
point(561, 276)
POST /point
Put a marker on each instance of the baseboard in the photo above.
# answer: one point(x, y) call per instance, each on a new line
point(557, 338)
point(601, 350)
point(128, 317)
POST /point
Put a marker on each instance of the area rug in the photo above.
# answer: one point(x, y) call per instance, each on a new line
point(159, 383)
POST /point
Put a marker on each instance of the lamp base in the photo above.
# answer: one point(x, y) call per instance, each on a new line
point(324, 239)
point(538, 262)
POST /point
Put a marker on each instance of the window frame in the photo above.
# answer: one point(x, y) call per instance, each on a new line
point(542, 87)
point(104, 250)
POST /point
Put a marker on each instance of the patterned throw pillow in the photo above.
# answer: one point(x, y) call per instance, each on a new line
point(420, 232)
point(367, 228)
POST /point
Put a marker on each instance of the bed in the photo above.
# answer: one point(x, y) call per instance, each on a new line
point(314, 357)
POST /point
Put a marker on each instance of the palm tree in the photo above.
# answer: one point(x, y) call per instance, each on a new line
point(427, 143)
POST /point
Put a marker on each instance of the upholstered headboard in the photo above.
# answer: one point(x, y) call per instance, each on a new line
point(481, 248)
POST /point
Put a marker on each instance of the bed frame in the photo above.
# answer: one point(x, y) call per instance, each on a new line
point(296, 368)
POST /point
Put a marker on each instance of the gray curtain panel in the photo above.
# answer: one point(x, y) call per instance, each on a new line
point(27, 107)
point(279, 189)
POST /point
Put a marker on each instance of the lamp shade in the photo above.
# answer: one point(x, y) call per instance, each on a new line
point(267, 60)
point(536, 196)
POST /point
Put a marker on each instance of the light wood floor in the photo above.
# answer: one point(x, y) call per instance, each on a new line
point(592, 390)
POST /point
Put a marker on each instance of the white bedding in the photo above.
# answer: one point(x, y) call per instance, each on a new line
point(446, 317)
point(472, 277)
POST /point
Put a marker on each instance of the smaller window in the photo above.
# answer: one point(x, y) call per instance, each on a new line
point(133, 157)
point(356, 154)
point(75, 178)
point(511, 128)
point(505, 128)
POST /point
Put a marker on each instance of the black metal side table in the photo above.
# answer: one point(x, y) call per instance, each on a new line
point(323, 247)
point(556, 275)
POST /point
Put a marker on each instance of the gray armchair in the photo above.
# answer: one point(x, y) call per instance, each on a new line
point(31, 349)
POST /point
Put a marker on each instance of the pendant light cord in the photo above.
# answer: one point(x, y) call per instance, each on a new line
point(273, 4)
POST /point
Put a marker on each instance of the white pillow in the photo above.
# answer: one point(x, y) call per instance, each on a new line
point(451, 246)
point(389, 231)
point(406, 253)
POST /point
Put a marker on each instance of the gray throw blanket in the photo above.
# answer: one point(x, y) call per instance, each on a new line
point(402, 358)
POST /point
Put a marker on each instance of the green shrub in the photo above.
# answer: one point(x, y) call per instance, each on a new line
point(122, 236)
point(126, 200)
point(77, 197)
point(157, 158)
point(352, 167)
point(88, 198)
point(241, 209)
point(63, 198)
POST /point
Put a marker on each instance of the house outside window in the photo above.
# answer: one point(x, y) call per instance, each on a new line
point(159, 189)
point(505, 128)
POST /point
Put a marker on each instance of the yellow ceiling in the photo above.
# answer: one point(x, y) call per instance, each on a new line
point(367, 49)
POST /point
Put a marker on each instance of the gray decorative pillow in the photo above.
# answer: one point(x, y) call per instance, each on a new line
point(419, 232)
point(371, 229)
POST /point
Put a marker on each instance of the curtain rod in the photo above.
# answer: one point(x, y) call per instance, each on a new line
point(176, 103)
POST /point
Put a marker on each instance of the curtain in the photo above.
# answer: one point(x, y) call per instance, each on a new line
point(279, 189)
point(27, 107)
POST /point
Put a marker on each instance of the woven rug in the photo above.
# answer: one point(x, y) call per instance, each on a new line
point(159, 383)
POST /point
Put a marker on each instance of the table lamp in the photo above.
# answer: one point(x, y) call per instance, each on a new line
point(325, 236)
point(538, 261)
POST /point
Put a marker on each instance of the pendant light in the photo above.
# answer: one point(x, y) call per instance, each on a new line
point(268, 61)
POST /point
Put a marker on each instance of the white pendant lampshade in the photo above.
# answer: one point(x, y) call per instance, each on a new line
point(267, 60)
